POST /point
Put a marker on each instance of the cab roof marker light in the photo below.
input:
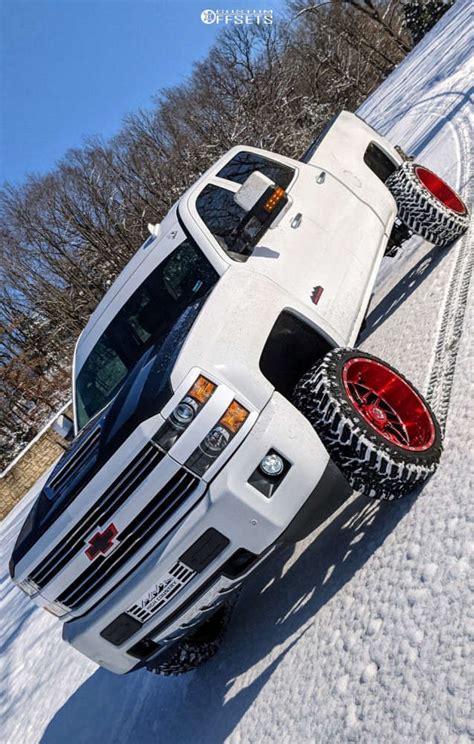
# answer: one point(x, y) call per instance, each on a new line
point(58, 609)
point(28, 586)
point(154, 229)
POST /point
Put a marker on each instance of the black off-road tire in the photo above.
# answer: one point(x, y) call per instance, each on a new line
point(421, 211)
point(198, 647)
point(373, 465)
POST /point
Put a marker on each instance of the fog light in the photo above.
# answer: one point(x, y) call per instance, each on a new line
point(272, 465)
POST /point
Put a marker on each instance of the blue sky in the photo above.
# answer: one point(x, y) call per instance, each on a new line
point(72, 68)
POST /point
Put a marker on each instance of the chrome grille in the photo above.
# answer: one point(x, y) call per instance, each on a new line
point(163, 592)
point(155, 514)
point(100, 513)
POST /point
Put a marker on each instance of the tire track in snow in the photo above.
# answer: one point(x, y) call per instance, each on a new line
point(452, 319)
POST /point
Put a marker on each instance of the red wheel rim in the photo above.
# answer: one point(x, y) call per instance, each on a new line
point(440, 189)
point(388, 404)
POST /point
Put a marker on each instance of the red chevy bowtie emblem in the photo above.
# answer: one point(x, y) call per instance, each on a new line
point(101, 542)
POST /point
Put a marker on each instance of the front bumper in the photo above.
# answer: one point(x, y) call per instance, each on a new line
point(247, 519)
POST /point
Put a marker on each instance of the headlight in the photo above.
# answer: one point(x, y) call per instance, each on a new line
point(29, 587)
point(218, 438)
point(215, 441)
point(185, 412)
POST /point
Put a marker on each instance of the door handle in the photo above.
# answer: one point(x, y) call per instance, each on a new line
point(296, 221)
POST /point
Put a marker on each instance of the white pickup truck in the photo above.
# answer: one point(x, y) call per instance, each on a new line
point(220, 408)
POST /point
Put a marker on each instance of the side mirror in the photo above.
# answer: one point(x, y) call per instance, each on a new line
point(252, 190)
point(262, 200)
point(64, 426)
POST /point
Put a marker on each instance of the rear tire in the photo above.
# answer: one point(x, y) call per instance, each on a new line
point(427, 205)
point(380, 459)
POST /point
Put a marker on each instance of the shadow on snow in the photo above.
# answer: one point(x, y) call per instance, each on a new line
point(402, 290)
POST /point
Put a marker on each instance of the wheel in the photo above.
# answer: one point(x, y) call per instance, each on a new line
point(427, 205)
point(198, 647)
point(377, 428)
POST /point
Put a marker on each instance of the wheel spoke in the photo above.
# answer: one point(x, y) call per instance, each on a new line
point(388, 403)
point(361, 393)
point(398, 433)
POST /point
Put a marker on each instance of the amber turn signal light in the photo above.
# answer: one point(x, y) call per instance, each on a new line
point(274, 199)
point(234, 417)
point(202, 389)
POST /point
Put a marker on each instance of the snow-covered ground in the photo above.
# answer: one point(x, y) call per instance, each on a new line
point(360, 633)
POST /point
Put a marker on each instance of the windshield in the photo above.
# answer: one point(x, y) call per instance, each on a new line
point(145, 319)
